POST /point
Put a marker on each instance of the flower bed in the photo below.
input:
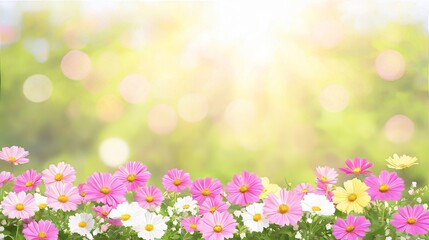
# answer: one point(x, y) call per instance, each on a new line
point(122, 206)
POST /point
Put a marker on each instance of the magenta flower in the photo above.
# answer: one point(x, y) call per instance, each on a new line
point(5, 177)
point(411, 220)
point(303, 189)
point(102, 211)
point(14, 155)
point(19, 205)
point(82, 193)
point(133, 175)
point(190, 224)
point(104, 188)
point(326, 175)
point(149, 196)
point(42, 230)
point(205, 188)
point(63, 172)
point(325, 189)
point(244, 188)
point(217, 226)
point(176, 180)
point(352, 228)
point(358, 166)
point(27, 181)
point(62, 196)
point(284, 209)
point(388, 186)
point(212, 205)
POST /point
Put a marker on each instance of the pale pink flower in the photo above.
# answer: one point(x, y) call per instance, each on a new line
point(14, 155)
point(326, 175)
point(104, 188)
point(19, 205)
point(82, 188)
point(190, 224)
point(5, 177)
point(62, 196)
point(27, 181)
point(213, 205)
point(149, 196)
point(202, 189)
point(42, 230)
point(284, 209)
point(244, 188)
point(133, 175)
point(217, 226)
point(176, 180)
point(63, 172)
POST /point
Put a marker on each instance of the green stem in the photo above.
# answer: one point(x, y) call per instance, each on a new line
point(17, 230)
point(383, 209)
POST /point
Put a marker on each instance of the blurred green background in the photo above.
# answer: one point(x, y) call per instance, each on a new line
point(215, 87)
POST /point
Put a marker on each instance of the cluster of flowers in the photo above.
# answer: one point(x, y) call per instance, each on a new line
point(122, 205)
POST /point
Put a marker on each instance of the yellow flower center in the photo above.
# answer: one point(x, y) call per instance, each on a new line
point(29, 183)
point(186, 206)
point(350, 228)
point(12, 159)
point(125, 217)
point(411, 220)
point(244, 188)
point(63, 198)
point(58, 177)
point(82, 194)
point(383, 188)
point(212, 209)
point(356, 170)
point(257, 217)
point(352, 197)
point(323, 179)
point(283, 208)
point(42, 206)
point(149, 198)
point(177, 182)
point(131, 178)
point(19, 206)
point(264, 190)
point(205, 192)
point(193, 226)
point(149, 227)
point(105, 190)
point(105, 213)
point(41, 235)
point(217, 228)
point(304, 190)
point(316, 208)
point(82, 224)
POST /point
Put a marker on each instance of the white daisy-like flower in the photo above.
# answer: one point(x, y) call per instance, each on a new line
point(130, 214)
point(82, 224)
point(253, 217)
point(151, 226)
point(317, 204)
point(41, 201)
point(186, 204)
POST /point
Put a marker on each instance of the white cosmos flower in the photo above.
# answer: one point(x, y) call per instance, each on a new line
point(130, 214)
point(41, 201)
point(317, 204)
point(151, 226)
point(186, 204)
point(253, 217)
point(81, 224)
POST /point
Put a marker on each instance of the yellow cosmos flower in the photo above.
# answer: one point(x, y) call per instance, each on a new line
point(353, 197)
point(401, 162)
point(268, 188)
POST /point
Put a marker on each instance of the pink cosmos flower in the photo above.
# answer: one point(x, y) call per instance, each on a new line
point(176, 180)
point(19, 205)
point(244, 188)
point(82, 193)
point(5, 177)
point(358, 166)
point(62, 196)
point(217, 226)
point(388, 186)
point(102, 211)
point(63, 172)
point(149, 196)
point(352, 228)
point(205, 188)
point(411, 220)
point(325, 189)
point(284, 209)
point(44, 229)
point(212, 205)
point(190, 224)
point(303, 189)
point(27, 181)
point(14, 155)
point(104, 188)
point(326, 175)
point(133, 175)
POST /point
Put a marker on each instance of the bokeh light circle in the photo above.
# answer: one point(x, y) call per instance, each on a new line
point(327, 33)
point(76, 65)
point(162, 119)
point(134, 88)
point(37, 88)
point(109, 108)
point(240, 115)
point(334, 98)
point(114, 152)
point(193, 107)
point(399, 129)
point(390, 65)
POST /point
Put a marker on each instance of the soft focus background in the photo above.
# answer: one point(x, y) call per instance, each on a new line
point(215, 87)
